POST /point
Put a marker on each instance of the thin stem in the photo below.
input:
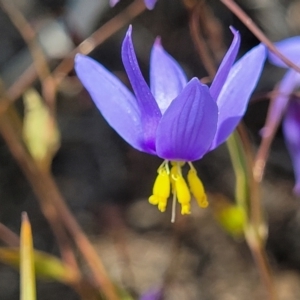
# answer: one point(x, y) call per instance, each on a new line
point(47, 208)
point(98, 37)
point(256, 214)
point(39, 59)
point(199, 41)
point(8, 236)
point(247, 190)
point(271, 125)
point(260, 256)
point(233, 7)
point(47, 193)
point(254, 231)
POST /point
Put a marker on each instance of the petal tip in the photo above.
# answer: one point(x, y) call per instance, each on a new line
point(233, 30)
point(112, 3)
point(157, 42)
point(129, 31)
point(79, 57)
point(150, 4)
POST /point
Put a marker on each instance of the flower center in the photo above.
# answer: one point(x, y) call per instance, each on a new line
point(171, 180)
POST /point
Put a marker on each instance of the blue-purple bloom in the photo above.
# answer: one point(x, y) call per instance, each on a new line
point(152, 294)
point(284, 103)
point(149, 3)
point(175, 119)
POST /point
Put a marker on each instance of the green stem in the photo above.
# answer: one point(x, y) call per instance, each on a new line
point(247, 197)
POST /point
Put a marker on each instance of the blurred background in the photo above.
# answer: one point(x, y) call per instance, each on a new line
point(106, 183)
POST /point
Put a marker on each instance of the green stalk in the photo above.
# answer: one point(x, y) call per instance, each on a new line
point(248, 198)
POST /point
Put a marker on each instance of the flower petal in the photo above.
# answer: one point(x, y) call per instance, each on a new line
point(150, 113)
point(152, 294)
point(291, 125)
point(188, 126)
point(150, 3)
point(290, 48)
point(287, 85)
point(167, 78)
point(115, 102)
point(226, 65)
point(113, 2)
point(233, 99)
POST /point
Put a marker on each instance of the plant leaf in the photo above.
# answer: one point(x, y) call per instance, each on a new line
point(27, 271)
point(46, 266)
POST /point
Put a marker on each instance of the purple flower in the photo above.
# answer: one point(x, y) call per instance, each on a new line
point(152, 294)
point(290, 82)
point(175, 119)
point(149, 3)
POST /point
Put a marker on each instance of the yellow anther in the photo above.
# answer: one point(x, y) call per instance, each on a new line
point(162, 205)
point(182, 190)
point(168, 178)
point(197, 188)
point(161, 190)
point(154, 199)
point(185, 209)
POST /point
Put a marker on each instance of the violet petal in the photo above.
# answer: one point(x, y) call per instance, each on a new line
point(291, 125)
point(287, 85)
point(167, 78)
point(113, 2)
point(290, 48)
point(226, 64)
point(116, 103)
point(235, 94)
point(188, 126)
point(150, 113)
point(150, 3)
point(152, 294)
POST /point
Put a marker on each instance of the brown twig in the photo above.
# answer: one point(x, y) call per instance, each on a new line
point(39, 59)
point(8, 236)
point(199, 40)
point(256, 232)
point(98, 37)
point(271, 126)
point(62, 70)
point(48, 209)
point(260, 256)
point(52, 204)
point(51, 200)
point(263, 151)
point(255, 240)
point(233, 7)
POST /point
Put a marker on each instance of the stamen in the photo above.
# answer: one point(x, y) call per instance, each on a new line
point(161, 188)
point(181, 188)
point(196, 187)
point(172, 179)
